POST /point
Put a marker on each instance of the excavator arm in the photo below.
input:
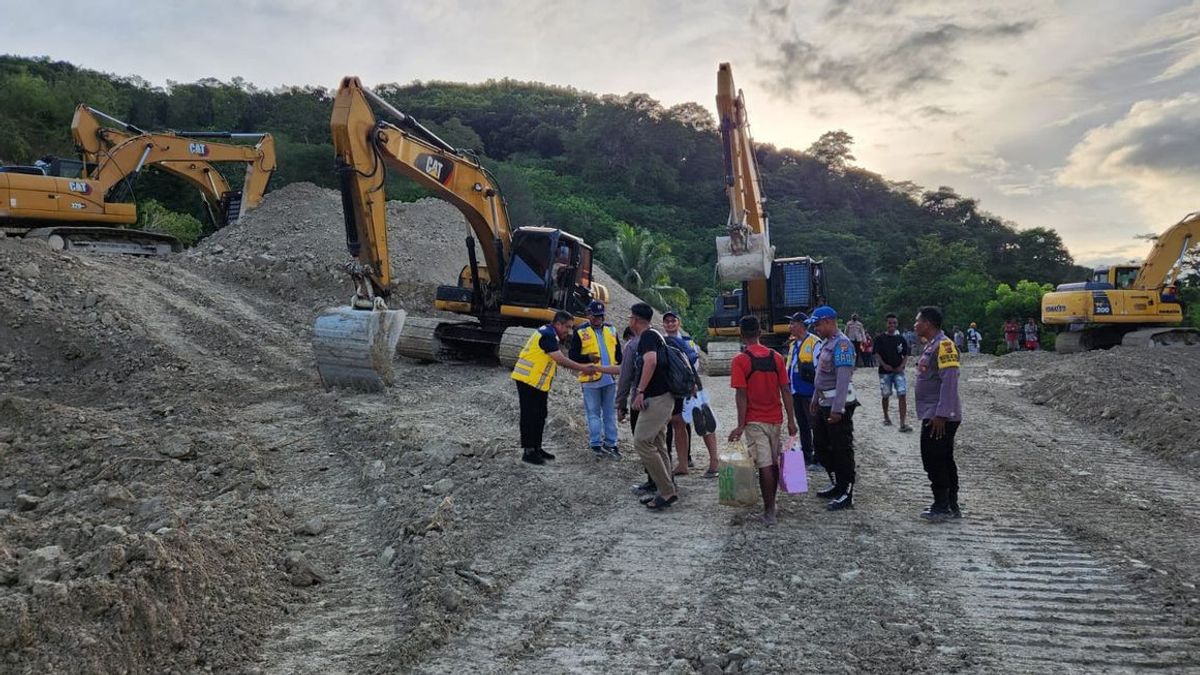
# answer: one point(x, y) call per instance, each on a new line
point(188, 155)
point(363, 145)
point(1162, 266)
point(745, 254)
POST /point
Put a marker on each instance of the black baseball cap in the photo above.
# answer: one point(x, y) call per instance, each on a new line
point(798, 317)
point(670, 312)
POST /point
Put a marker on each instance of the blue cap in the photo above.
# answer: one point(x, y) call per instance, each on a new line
point(596, 308)
point(822, 312)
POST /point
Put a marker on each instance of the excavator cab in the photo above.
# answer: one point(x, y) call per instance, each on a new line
point(549, 268)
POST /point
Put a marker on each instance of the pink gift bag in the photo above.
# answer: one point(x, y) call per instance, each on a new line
point(793, 477)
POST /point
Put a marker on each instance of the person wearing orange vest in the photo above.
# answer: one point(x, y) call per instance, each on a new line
point(596, 342)
point(534, 373)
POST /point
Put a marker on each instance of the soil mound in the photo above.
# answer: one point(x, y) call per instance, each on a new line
point(1146, 396)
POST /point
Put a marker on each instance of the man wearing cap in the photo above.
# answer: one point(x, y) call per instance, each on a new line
point(802, 370)
point(760, 377)
point(596, 343)
point(534, 374)
point(832, 407)
point(940, 409)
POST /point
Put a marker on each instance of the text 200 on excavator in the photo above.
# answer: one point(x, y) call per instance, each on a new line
point(526, 274)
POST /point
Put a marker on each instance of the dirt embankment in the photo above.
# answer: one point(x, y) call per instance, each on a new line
point(175, 489)
point(1145, 396)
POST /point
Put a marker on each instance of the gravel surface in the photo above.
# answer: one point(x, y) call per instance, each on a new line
point(177, 494)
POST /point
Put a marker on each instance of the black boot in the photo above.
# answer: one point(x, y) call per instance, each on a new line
point(940, 509)
point(955, 512)
point(845, 500)
point(532, 456)
point(544, 454)
point(832, 491)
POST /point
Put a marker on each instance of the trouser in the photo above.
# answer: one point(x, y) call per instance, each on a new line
point(858, 353)
point(937, 456)
point(804, 423)
point(836, 443)
point(650, 439)
point(633, 418)
point(600, 404)
point(533, 414)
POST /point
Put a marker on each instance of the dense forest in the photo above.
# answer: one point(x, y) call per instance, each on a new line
point(598, 165)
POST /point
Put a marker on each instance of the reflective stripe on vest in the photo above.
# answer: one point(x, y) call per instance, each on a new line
point(534, 366)
point(590, 346)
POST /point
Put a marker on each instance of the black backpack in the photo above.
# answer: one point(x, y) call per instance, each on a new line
point(681, 379)
point(763, 364)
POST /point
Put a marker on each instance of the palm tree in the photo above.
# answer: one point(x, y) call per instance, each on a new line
point(641, 263)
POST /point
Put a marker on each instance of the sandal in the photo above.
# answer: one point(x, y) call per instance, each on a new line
point(905, 428)
point(887, 423)
point(712, 473)
point(646, 499)
point(661, 504)
point(679, 472)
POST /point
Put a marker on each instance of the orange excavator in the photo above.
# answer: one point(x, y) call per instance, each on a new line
point(85, 204)
point(516, 280)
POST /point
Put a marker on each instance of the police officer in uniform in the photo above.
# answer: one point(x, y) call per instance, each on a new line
point(596, 342)
point(534, 373)
point(832, 408)
point(940, 409)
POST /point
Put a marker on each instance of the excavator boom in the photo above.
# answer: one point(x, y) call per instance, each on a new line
point(745, 253)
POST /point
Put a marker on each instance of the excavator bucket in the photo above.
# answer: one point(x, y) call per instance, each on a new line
point(744, 258)
point(355, 347)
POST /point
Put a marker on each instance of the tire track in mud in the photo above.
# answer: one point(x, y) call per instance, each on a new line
point(1042, 599)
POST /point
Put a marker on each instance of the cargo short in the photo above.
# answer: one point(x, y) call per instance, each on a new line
point(892, 381)
point(764, 443)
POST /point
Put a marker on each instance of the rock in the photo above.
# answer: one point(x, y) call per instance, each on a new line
point(27, 270)
point(710, 660)
point(850, 575)
point(260, 480)
point(451, 599)
point(107, 319)
point(678, 667)
point(108, 560)
point(902, 628)
point(443, 486)
point(41, 565)
point(752, 666)
point(301, 572)
point(738, 654)
point(50, 590)
point(377, 469)
point(387, 556)
point(90, 300)
point(177, 446)
point(312, 527)
point(711, 669)
point(26, 502)
point(8, 568)
point(108, 534)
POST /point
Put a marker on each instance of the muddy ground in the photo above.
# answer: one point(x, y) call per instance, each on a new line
point(177, 494)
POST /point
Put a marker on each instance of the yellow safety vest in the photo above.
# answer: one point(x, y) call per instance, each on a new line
point(805, 346)
point(534, 366)
point(590, 346)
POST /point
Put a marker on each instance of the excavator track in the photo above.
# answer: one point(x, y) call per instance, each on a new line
point(1161, 337)
point(720, 356)
point(355, 348)
point(419, 340)
point(511, 344)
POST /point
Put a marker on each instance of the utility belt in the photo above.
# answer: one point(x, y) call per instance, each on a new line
point(827, 396)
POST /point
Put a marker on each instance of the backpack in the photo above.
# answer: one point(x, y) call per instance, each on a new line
point(681, 379)
point(763, 364)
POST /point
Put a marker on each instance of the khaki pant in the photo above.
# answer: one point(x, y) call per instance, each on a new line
point(764, 443)
point(650, 441)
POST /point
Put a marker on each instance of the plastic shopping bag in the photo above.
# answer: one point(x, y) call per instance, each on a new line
point(737, 481)
point(793, 477)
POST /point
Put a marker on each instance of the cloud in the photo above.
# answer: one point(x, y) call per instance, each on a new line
point(1152, 155)
point(877, 51)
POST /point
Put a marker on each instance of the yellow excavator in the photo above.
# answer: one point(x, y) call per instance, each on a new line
point(1131, 305)
point(83, 204)
point(526, 274)
point(771, 288)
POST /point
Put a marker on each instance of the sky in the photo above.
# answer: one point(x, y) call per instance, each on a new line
point(1078, 115)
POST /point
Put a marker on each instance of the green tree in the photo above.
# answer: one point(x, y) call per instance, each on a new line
point(1020, 302)
point(833, 150)
point(641, 263)
point(155, 217)
point(951, 276)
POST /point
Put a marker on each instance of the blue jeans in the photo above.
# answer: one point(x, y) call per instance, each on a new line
point(600, 403)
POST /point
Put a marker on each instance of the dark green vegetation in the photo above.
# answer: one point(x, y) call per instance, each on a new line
point(590, 164)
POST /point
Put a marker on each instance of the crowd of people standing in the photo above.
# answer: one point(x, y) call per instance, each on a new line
point(653, 381)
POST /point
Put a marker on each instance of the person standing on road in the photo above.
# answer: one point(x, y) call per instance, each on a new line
point(832, 407)
point(1012, 332)
point(857, 334)
point(534, 373)
point(653, 399)
point(679, 432)
point(802, 370)
point(596, 342)
point(940, 409)
point(960, 340)
point(892, 349)
point(1031, 335)
point(974, 339)
point(760, 377)
point(625, 389)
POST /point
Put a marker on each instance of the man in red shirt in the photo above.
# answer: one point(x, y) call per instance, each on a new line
point(763, 394)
